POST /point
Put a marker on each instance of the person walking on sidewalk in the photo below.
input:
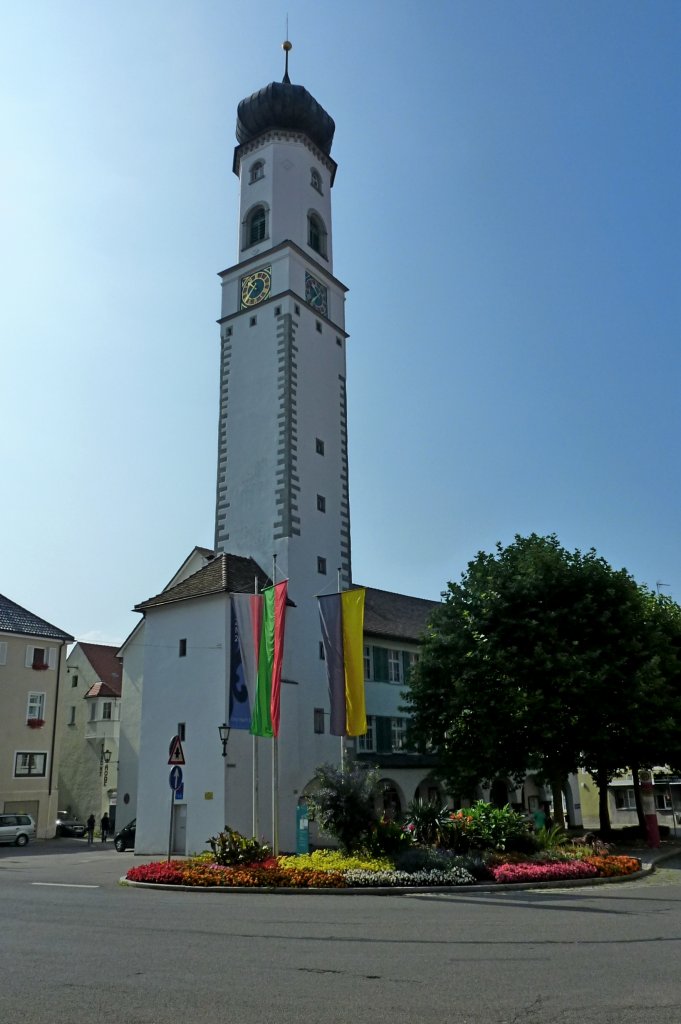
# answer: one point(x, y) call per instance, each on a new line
point(105, 825)
point(90, 830)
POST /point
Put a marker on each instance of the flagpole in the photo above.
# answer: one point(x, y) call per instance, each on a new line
point(275, 760)
point(342, 739)
point(256, 788)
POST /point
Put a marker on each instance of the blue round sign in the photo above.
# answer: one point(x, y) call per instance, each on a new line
point(175, 778)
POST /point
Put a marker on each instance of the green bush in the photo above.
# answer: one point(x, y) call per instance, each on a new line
point(230, 848)
point(492, 828)
point(343, 803)
point(425, 822)
point(387, 838)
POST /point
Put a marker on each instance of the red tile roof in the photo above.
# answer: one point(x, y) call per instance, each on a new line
point(108, 667)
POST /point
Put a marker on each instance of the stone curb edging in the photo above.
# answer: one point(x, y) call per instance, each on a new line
point(396, 890)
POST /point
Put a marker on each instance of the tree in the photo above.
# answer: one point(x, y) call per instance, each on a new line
point(528, 661)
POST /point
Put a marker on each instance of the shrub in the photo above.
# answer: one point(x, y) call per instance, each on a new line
point(551, 838)
point(230, 847)
point(387, 838)
point(491, 828)
point(344, 803)
point(425, 822)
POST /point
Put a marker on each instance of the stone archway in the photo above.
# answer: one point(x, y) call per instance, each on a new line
point(392, 802)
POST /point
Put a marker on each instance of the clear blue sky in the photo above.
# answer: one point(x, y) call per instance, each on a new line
point(507, 216)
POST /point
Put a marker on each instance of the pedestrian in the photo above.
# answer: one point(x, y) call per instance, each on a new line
point(90, 829)
point(105, 826)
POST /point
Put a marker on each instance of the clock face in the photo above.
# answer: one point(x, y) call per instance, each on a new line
point(255, 287)
point(316, 294)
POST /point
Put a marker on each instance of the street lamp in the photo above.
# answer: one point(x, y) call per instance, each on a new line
point(224, 731)
point(107, 756)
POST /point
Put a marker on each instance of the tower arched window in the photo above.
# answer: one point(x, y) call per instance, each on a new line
point(255, 226)
point(316, 180)
point(257, 171)
point(316, 233)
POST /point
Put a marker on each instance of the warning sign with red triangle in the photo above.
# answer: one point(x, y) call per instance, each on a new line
point(176, 751)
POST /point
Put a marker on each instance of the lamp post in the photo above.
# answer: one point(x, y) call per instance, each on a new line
point(224, 731)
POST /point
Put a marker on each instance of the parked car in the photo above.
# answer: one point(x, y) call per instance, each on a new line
point(16, 828)
point(125, 839)
point(67, 825)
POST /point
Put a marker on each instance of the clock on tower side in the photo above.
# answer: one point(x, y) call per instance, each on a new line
point(282, 484)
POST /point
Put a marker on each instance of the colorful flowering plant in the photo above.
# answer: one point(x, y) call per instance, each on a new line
point(553, 872)
point(611, 865)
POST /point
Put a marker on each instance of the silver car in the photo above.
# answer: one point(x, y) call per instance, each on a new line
point(16, 828)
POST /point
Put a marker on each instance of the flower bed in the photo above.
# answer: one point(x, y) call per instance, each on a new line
point(555, 871)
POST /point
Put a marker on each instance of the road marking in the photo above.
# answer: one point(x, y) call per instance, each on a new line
point(67, 885)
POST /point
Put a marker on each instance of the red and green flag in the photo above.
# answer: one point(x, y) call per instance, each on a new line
point(265, 717)
point(342, 617)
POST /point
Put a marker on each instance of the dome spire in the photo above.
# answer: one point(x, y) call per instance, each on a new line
point(286, 47)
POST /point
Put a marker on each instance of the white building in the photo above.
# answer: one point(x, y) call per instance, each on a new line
point(282, 492)
point(89, 731)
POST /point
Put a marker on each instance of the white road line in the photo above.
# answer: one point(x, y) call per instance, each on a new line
point(67, 885)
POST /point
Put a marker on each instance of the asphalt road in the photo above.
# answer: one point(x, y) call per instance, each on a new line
point(105, 952)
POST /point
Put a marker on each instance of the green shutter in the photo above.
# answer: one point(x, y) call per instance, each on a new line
point(380, 664)
point(406, 666)
point(383, 735)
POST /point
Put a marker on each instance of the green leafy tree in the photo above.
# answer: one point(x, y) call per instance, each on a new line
point(528, 661)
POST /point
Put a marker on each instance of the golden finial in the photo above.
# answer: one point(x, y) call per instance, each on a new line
point(286, 47)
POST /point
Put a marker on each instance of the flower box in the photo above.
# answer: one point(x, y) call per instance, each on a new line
point(39, 666)
point(35, 723)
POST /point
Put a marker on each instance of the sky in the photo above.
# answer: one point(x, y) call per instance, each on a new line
point(507, 218)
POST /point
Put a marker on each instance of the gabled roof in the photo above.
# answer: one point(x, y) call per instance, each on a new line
point(396, 616)
point(15, 619)
point(108, 668)
point(226, 574)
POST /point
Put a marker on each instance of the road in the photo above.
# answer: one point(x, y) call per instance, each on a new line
point(69, 954)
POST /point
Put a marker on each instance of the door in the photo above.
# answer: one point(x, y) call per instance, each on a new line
point(180, 829)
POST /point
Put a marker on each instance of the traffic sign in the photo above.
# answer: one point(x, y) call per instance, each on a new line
point(175, 778)
point(176, 751)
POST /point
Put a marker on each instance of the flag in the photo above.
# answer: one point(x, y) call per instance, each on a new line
point(342, 618)
point(245, 623)
point(265, 718)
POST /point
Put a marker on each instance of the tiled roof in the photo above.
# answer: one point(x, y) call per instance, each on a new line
point(15, 619)
point(396, 616)
point(226, 574)
point(109, 670)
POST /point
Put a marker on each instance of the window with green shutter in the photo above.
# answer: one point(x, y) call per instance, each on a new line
point(383, 735)
point(380, 665)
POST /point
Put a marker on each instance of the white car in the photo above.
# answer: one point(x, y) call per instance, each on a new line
point(16, 828)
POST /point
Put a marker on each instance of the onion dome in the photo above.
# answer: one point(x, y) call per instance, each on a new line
point(284, 106)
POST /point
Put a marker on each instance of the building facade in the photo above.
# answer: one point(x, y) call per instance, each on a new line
point(89, 724)
point(32, 671)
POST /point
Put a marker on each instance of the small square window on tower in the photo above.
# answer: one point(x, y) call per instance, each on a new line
point(182, 731)
point(277, 310)
point(297, 309)
point(321, 503)
point(319, 446)
point(228, 332)
point(318, 325)
point(183, 649)
point(339, 341)
point(321, 565)
point(319, 720)
point(322, 655)
point(252, 321)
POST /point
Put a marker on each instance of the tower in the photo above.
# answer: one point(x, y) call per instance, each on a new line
point(282, 481)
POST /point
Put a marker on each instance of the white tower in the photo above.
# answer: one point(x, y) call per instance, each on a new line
point(282, 483)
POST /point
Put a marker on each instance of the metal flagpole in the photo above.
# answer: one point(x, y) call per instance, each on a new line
point(254, 749)
point(275, 761)
point(342, 739)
